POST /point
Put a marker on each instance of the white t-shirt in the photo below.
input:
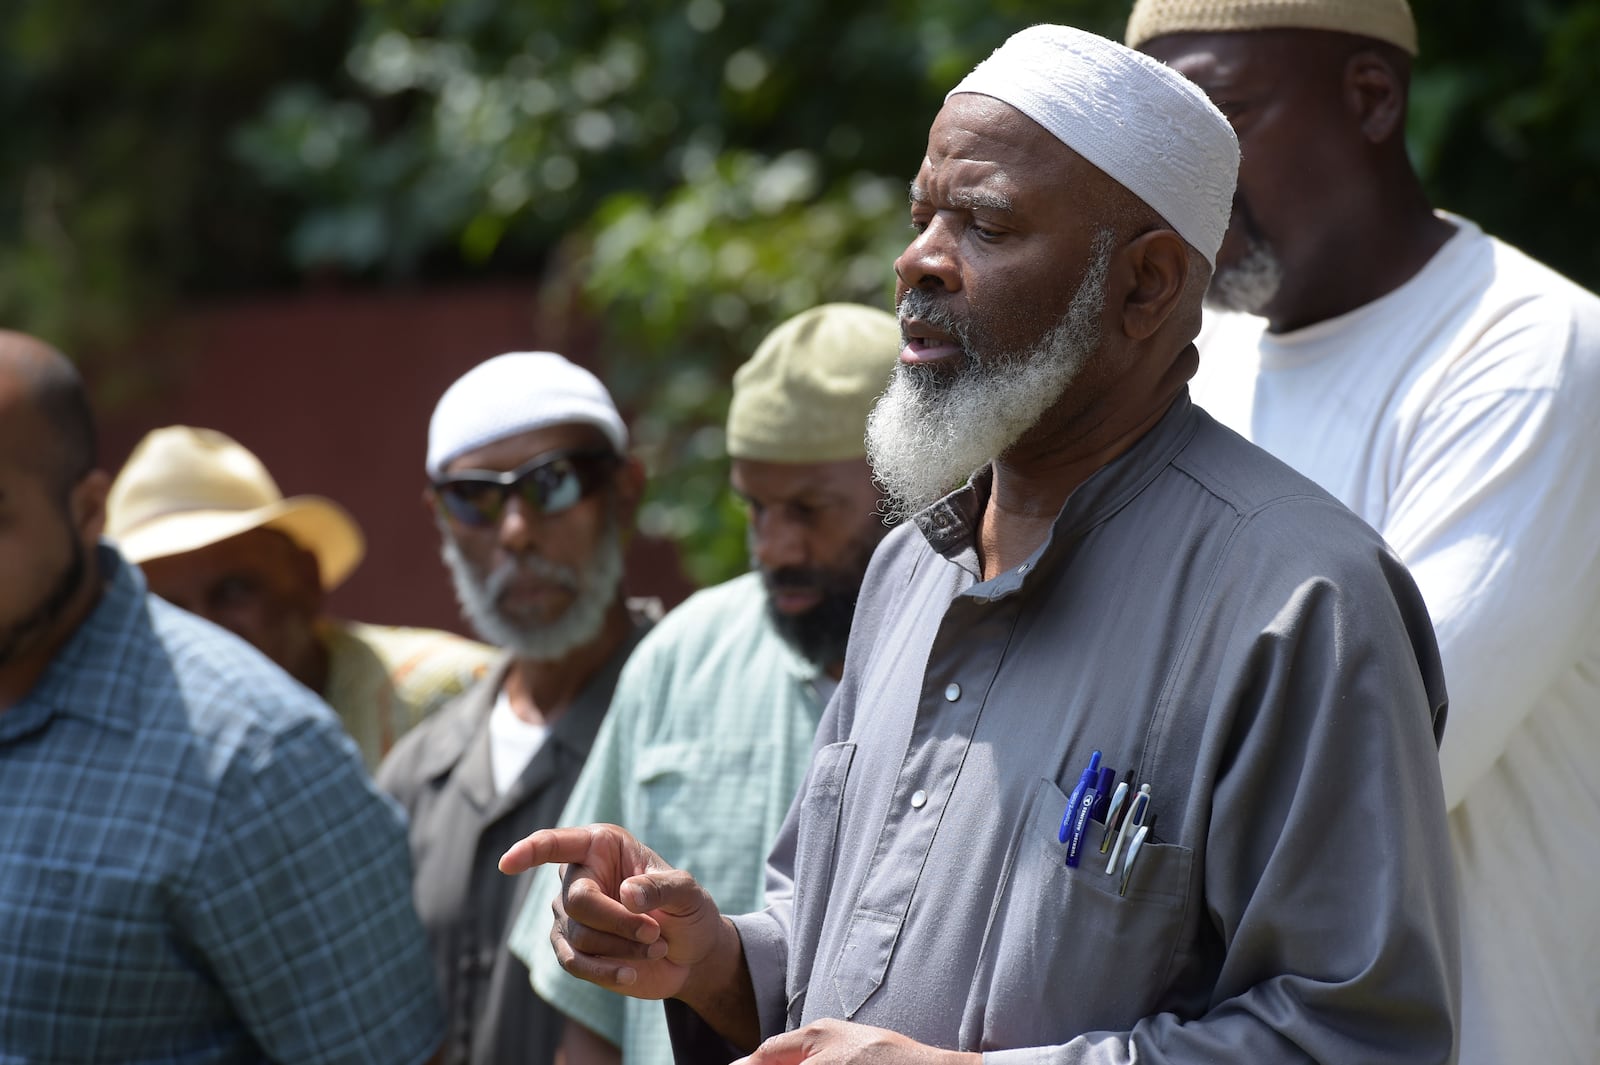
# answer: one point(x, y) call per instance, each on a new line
point(1457, 415)
point(512, 743)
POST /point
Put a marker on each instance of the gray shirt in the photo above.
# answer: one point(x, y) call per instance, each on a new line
point(1220, 629)
point(440, 772)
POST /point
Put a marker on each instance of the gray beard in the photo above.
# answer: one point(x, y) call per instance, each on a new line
point(595, 583)
point(932, 430)
point(1248, 285)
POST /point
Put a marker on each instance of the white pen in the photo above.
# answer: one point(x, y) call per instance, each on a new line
point(1115, 808)
point(1133, 852)
point(1131, 823)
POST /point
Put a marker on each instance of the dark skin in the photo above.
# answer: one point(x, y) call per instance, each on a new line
point(994, 233)
point(1005, 218)
point(43, 510)
point(806, 514)
point(259, 585)
point(541, 691)
point(1324, 179)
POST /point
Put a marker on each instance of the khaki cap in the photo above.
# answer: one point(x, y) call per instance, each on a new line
point(805, 394)
point(184, 488)
point(1382, 20)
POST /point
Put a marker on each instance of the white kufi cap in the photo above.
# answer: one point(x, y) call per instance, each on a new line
point(1147, 127)
point(516, 393)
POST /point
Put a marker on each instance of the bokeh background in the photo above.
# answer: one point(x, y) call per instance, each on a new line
point(298, 220)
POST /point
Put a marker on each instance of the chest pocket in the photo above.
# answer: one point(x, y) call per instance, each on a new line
point(71, 917)
point(704, 807)
point(1065, 953)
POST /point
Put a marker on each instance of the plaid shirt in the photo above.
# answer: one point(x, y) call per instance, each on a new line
point(193, 867)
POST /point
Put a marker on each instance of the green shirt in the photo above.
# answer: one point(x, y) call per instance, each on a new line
point(707, 740)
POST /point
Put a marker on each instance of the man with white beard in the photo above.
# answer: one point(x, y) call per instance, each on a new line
point(534, 495)
point(1230, 675)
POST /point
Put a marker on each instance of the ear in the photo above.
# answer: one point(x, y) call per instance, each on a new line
point(1375, 93)
point(1159, 260)
point(87, 502)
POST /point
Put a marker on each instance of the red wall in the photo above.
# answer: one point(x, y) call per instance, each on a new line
point(333, 392)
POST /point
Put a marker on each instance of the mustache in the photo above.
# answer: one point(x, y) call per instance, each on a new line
point(795, 577)
point(924, 305)
point(508, 570)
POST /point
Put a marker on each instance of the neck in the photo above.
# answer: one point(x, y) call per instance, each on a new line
point(1380, 245)
point(542, 690)
point(1032, 481)
point(22, 671)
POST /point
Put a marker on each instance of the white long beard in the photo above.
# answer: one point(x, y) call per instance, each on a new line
point(595, 585)
point(928, 433)
point(1248, 285)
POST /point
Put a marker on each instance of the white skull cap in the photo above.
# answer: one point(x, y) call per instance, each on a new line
point(1146, 126)
point(514, 393)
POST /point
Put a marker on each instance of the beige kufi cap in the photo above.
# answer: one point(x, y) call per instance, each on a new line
point(1382, 20)
point(805, 394)
point(184, 488)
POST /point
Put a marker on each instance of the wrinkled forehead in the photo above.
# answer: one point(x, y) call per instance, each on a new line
point(985, 153)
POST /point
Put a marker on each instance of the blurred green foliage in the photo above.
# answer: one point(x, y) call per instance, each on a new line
point(691, 172)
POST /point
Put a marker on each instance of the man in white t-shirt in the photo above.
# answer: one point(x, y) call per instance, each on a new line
point(534, 495)
point(1442, 384)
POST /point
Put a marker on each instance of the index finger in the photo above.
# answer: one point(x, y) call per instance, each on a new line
point(547, 846)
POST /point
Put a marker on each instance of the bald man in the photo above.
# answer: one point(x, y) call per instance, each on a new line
point(1443, 385)
point(196, 867)
point(1134, 754)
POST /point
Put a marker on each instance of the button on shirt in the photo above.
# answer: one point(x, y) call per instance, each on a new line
point(193, 866)
point(1218, 628)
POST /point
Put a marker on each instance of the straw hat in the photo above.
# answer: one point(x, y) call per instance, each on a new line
point(184, 488)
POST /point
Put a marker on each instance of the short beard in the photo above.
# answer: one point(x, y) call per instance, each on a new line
point(595, 586)
point(821, 634)
point(17, 638)
point(934, 428)
point(1248, 285)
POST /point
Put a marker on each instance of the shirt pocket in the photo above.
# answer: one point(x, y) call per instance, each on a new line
point(92, 946)
point(816, 850)
point(1065, 953)
point(702, 808)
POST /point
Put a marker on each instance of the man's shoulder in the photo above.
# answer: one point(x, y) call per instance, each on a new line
point(425, 667)
point(1258, 489)
point(225, 684)
point(727, 611)
point(411, 654)
point(436, 741)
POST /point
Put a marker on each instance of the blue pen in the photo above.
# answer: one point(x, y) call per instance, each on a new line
point(1102, 789)
point(1075, 820)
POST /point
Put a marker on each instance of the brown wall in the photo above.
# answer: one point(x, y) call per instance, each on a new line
point(333, 392)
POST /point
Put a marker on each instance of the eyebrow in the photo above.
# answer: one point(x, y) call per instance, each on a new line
point(968, 199)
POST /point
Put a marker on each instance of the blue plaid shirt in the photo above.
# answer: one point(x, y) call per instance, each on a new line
point(193, 865)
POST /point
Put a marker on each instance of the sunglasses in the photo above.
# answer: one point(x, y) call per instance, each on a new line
point(547, 484)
